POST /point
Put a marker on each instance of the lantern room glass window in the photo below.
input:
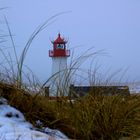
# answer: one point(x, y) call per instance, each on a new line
point(60, 46)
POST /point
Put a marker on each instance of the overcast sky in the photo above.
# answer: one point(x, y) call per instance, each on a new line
point(112, 25)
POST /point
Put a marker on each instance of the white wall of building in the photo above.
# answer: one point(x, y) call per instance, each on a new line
point(60, 79)
point(58, 64)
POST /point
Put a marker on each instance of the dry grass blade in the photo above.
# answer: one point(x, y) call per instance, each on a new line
point(29, 42)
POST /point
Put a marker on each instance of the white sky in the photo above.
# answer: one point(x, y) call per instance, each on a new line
point(112, 25)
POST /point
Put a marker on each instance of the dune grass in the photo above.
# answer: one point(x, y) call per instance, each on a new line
point(90, 117)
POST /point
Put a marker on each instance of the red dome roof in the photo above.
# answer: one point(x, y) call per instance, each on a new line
point(59, 40)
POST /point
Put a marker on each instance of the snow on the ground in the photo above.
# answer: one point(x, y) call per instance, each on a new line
point(134, 88)
point(13, 126)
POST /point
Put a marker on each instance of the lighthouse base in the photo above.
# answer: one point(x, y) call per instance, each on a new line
point(58, 91)
point(60, 77)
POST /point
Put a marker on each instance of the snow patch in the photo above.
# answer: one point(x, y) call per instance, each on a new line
point(13, 126)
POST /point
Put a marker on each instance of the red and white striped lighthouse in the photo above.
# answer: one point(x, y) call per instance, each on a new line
point(59, 54)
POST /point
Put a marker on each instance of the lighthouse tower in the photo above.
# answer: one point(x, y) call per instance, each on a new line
point(60, 80)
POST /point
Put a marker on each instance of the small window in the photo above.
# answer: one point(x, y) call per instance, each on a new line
point(60, 46)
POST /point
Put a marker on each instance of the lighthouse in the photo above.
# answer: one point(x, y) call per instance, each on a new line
point(59, 80)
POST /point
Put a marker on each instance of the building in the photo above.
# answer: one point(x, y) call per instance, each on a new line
point(59, 80)
point(80, 91)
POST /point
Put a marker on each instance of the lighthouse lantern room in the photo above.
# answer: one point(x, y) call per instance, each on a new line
point(59, 56)
point(59, 48)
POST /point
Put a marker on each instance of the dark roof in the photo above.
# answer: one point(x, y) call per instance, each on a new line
point(99, 90)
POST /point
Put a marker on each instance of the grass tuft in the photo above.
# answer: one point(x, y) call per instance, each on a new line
point(90, 117)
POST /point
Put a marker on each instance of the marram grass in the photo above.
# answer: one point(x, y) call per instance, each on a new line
point(88, 118)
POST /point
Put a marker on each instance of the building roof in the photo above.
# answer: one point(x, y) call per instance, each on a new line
point(59, 40)
point(99, 90)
